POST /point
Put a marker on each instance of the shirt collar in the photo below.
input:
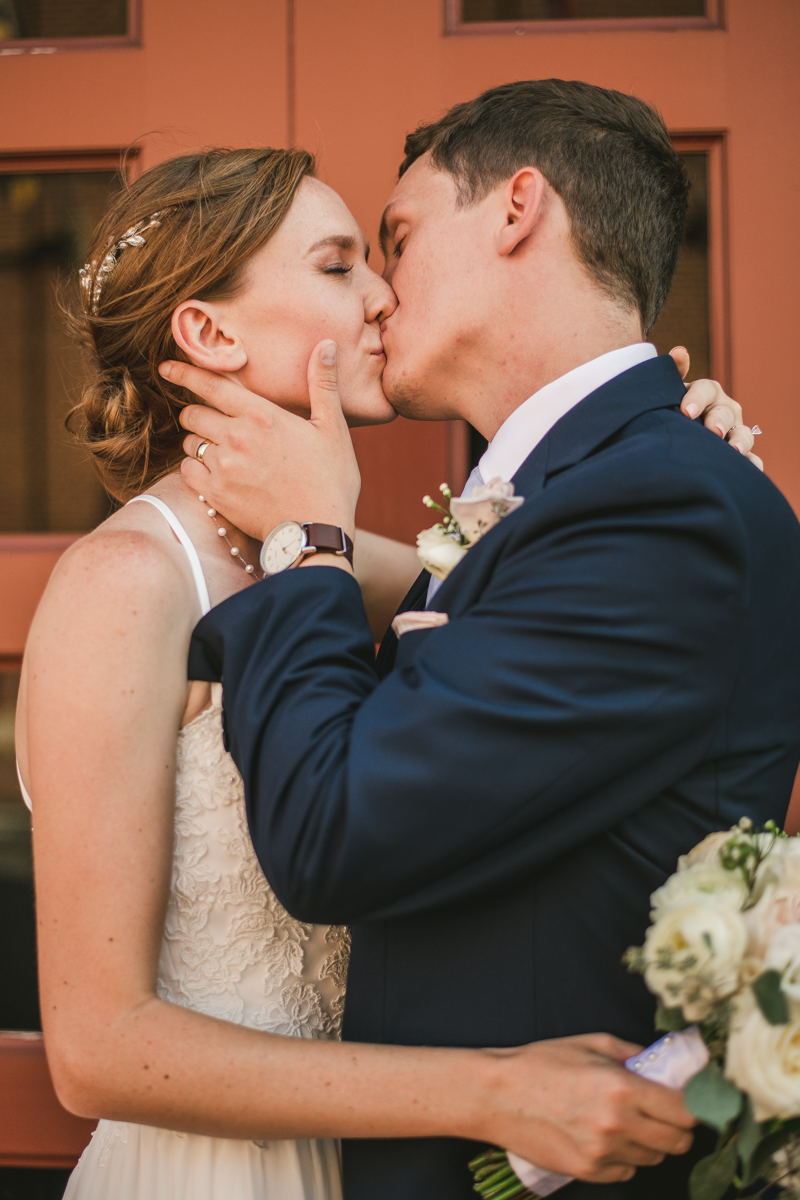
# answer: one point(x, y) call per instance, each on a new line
point(522, 431)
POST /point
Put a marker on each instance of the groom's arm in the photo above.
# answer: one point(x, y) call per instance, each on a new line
point(589, 676)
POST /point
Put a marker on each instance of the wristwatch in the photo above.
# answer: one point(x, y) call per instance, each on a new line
point(291, 542)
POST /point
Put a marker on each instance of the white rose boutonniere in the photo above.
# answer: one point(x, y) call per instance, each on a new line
point(464, 522)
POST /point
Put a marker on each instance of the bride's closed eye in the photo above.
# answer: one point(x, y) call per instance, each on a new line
point(339, 270)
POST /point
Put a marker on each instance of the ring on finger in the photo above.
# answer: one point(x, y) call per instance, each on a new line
point(201, 449)
point(755, 430)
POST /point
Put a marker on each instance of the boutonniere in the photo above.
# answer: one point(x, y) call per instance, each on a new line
point(463, 523)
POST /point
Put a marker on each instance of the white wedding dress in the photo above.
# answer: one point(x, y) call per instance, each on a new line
point(232, 951)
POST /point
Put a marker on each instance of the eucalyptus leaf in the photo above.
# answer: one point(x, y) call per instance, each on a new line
point(712, 1176)
point(767, 1147)
point(771, 1000)
point(670, 1019)
point(712, 1098)
point(750, 1134)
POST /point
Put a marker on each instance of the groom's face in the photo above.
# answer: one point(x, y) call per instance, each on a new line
point(439, 260)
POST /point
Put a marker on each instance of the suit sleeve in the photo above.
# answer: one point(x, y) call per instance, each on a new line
point(587, 677)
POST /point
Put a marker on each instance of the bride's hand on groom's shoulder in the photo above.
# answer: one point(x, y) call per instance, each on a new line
point(706, 399)
point(570, 1106)
point(263, 464)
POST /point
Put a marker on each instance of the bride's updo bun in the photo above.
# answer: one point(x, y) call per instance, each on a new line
point(184, 230)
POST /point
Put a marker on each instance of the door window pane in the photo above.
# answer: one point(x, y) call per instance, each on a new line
point(578, 10)
point(686, 319)
point(62, 19)
point(47, 482)
point(19, 1000)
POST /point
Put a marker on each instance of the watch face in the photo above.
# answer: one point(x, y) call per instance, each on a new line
point(282, 547)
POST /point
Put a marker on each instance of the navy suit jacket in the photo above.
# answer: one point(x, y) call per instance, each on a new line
point(620, 676)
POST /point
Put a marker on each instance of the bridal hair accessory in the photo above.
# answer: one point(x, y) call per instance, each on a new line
point(223, 533)
point(93, 277)
point(464, 522)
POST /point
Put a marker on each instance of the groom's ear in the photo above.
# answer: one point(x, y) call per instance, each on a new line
point(523, 199)
point(203, 333)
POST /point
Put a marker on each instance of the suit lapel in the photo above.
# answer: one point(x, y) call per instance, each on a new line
point(650, 385)
point(414, 599)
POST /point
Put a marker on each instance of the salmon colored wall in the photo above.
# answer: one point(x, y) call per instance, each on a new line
point(365, 71)
point(368, 70)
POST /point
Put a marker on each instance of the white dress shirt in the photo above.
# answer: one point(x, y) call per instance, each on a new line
point(520, 433)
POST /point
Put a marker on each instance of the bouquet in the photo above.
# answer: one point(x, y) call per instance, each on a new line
point(722, 956)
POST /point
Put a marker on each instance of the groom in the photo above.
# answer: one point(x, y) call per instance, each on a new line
point(620, 670)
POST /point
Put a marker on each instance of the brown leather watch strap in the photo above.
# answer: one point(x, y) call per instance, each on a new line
point(328, 539)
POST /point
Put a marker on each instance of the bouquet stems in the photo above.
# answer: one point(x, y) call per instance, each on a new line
point(495, 1180)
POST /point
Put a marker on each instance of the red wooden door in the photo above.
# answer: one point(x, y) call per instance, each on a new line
point(348, 79)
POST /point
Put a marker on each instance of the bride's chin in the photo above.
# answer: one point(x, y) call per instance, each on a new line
point(376, 411)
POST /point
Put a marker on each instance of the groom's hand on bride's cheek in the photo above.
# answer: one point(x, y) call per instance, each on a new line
point(583, 1114)
point(264, 465)
point(705, 398)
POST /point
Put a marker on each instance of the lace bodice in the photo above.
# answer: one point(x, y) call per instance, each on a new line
point(230, 949)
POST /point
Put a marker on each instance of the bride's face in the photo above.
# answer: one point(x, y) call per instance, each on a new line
point(310, 281)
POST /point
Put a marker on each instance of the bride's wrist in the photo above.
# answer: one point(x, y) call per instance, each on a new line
point(476, 1085)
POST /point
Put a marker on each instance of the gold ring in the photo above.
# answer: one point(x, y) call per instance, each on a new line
point(201, 449)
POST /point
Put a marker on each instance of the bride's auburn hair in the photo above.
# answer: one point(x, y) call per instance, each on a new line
point(215, 209)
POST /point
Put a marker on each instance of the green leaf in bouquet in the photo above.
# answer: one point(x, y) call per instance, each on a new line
point(771, 1000)
point(750, 1135)
point(712, 1098)
point(670, 1019)
point(768, 1146)
point(712, 1176)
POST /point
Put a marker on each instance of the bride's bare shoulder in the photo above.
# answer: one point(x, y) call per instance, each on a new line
point(132, 557)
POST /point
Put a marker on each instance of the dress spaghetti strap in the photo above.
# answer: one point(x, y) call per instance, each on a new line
point(186, 542)
point(200, 584)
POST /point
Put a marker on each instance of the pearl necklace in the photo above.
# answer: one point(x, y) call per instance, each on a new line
point(223, 533)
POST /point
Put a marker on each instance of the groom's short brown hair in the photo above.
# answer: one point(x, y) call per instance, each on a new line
point(607, 155)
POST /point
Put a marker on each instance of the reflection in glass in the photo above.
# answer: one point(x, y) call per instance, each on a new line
point(63, 19)
point(19, 1001)
point(46, 221)
point(686, 319)
point(577, 10)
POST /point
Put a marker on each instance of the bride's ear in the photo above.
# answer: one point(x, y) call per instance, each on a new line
point(203, 333)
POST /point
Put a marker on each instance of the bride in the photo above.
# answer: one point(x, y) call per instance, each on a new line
point(180, 1002)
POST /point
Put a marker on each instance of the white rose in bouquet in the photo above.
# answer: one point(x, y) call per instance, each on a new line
point(692, 957)
point(706, 851)
point(702, 883)
point(783, 956)
point(764, 1061)
point(438, 551)
point(778, 908)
